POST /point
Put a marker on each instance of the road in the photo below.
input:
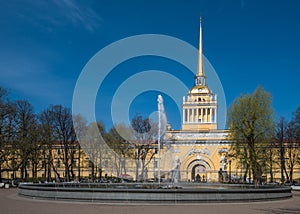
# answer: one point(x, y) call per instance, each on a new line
point(11, 203)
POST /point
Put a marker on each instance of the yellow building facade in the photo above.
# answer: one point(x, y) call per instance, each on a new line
point(200, 149)
point(199, 146)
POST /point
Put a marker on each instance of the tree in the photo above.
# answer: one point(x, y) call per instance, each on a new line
point(64, 133)
point(26, 134)
point(143, 142)
point(251, 126)
point(118, 139)
point(48, 141)
point(93, 144)
point(281, 135)
point(293, 143)
point(7, 133)
point(80, 126)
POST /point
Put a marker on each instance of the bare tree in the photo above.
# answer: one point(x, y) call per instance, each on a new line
point(48, 141)
point(64, 133)
point(94, 146)
point(25, 136)
point(292, 147)
point(80, 126)
point(118, 139)
point(7, 134)
point(143, 143)
point(281, 136)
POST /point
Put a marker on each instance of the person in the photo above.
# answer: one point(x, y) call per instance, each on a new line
point(221, 175)
point(198, 178)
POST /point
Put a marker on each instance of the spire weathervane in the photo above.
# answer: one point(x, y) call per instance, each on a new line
point(200, 71)
point(200, 76)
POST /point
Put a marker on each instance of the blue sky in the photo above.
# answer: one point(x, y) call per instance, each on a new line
point(46, 44)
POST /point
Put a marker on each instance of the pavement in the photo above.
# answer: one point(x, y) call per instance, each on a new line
point(11, 203)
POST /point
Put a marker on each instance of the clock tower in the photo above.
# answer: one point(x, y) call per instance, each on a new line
point(199, 108)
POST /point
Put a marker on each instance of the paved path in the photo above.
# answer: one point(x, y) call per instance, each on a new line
point(11, 203)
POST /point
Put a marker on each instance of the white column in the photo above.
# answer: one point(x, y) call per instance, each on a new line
point(183, 115)
point(188, 115)
point(215, 115)
point(210, 112)
point(201, 116)
point(193, 116)
point(206, 115)
point(197, 115)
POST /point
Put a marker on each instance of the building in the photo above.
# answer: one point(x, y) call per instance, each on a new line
point(197, 152)
point(199, 146)
point(200, 151)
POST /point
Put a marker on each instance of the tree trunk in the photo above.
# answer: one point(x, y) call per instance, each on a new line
point(66, 164)
point(271, 169)
point(291, 174)
point(79, 163)
point(246, 173)
point(93, 171)
point(286, 174)
point(48, 171)
point(137, 170)
point(282, 163)
point(0, 171)
point(32, 170)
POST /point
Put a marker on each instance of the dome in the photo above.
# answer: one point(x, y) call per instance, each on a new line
point(202, 89)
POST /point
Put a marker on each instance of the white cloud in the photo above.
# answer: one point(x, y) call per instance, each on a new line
point(78, 14)
point(48, 15)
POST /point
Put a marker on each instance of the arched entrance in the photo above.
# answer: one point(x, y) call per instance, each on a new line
point(199, 173)
point(198, 170)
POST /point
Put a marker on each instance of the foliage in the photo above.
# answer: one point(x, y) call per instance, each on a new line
point(251, 126)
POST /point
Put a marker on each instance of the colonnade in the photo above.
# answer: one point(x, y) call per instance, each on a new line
point(199, 115)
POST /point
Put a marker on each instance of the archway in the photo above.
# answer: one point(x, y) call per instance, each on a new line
point(199, 173)
point(198, 170)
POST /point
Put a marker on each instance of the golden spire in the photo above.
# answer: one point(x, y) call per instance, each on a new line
point(200, 71)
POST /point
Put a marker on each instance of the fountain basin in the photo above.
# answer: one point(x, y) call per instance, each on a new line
point(152, 193)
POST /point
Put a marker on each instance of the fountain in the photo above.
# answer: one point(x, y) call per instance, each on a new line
point(153, 193)
point(162, 123)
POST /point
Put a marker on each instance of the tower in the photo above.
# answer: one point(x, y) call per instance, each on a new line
point(199, 108)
